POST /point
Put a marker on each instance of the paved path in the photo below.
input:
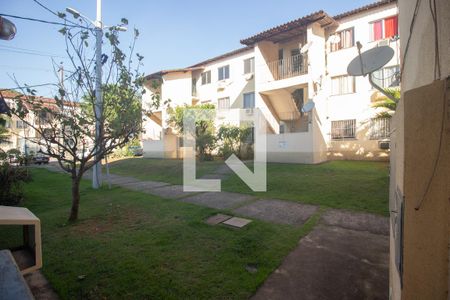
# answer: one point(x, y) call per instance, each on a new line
point(345, 256)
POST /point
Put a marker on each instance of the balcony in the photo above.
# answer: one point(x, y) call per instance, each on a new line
point(295, 65)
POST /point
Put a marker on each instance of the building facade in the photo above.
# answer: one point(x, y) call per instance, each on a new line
point(20, 135)
point(278, 72)
point(420, 161)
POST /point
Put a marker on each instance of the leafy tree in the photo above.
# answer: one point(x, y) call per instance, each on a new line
point(234, 140)
point(4, 133)
point(204, 129)
point(67, 122)
point(388, 104)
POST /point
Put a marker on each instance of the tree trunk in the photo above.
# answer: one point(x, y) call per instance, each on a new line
point(75, 199)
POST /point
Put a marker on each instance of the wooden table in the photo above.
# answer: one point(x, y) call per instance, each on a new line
point(21, 216)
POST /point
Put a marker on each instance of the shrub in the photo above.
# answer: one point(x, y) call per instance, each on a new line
point(11, 180)
point(204, 126)
point(125, 150)
point(235, 140)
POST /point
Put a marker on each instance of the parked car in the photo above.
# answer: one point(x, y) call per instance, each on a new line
point(136, 150)
point(14, 156)
point(40, 159)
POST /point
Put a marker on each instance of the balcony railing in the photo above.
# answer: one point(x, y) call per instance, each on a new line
point(289, 67)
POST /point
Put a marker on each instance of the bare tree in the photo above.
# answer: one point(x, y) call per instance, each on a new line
point(66, 123)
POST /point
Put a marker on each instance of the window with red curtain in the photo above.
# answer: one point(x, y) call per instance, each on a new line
point(390, 27)
point(377, 30)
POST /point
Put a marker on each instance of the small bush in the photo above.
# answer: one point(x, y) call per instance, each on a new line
point(11, 180)
point(236, 140)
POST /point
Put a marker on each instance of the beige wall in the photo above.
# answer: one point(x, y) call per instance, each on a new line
point(360, 148)
point(357, 105)
point(273, 96)
point(17, 135)
point(418, 128)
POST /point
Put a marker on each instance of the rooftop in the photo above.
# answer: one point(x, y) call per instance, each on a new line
point(363, 8)
point(280, 33)
point(290, 29)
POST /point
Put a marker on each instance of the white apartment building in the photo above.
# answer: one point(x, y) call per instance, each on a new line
point(279, 71)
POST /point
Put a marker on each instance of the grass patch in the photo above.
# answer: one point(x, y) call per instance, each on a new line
point(165, 170)
point(134, 246)
point(353, 185)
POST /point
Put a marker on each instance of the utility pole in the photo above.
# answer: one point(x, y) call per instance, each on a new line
point(97, 170)
point(98, 105)
point(61, 77)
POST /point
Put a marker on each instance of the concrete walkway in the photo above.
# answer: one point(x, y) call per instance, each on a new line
point(345, 256)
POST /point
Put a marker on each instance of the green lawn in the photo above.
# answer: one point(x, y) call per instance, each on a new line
point(165, 170)
point(132, 245)
point(354, 185)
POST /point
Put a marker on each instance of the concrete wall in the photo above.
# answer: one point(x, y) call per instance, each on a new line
point(418, 136)
point(290, 148)
point(234, 87)
point(356, 105)
point(153, 149)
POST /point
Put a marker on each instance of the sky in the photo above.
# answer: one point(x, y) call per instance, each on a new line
point(173, 33)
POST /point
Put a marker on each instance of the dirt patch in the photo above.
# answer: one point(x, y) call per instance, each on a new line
point(114, 219)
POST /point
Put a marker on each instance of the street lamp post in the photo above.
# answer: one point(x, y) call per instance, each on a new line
point(7, 29)
point(98, 105)
point(97, 171)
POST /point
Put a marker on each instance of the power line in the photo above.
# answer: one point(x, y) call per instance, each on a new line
point(30, 53)
point(53, 12)
point(43, 21)
point(28, 86)
point(28, 50)
point(25, 68)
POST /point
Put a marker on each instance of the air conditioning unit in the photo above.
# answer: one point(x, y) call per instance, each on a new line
point(384, 145)
point(384, 42)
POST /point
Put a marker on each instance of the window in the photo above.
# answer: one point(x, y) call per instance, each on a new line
point(379, 128)
point(385, 28)
point(224, 72)
point(341, 85)
point(249, 65)
point(249, 100)
point(296, 60)
point(346, 39)
point(343, 129)
point(194, 87)
point(43, 118)
point(387, 77)
point(250, 139)
point(280, 54)
point(20, 124)
point(223, 103)
point(206, 77)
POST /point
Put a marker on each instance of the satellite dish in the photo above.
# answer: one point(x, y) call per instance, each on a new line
point(335, 39)
point(370, 61)
point(305, 48)
point(308, 106)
